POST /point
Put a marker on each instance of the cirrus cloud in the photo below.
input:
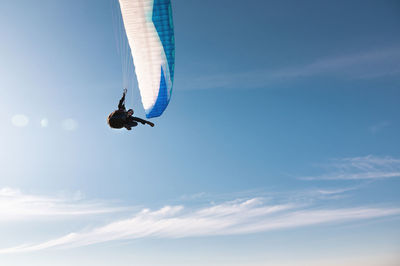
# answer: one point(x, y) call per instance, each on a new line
point(358, 168)
point(229, 218)
point(16, 205)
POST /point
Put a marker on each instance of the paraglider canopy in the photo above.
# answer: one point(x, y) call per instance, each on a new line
point(149, 29)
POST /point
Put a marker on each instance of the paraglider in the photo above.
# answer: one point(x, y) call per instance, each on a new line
point(123, 119)
point(149, 31)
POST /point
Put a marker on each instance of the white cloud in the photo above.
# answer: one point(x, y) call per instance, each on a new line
point(69, 124)
point(20, 120)
point(367, 167)
point(234, 217)
point(16, 205)
point(335, 191)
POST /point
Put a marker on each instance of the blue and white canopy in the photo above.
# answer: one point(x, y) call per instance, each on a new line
point(149, 28)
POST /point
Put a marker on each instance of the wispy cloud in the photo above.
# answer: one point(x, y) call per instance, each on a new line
point(367, 167)
point(335, 191)
point(229, 218)
point(367, 65)
point(16, 205)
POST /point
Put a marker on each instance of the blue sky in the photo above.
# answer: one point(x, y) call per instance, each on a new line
point(279, 147)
